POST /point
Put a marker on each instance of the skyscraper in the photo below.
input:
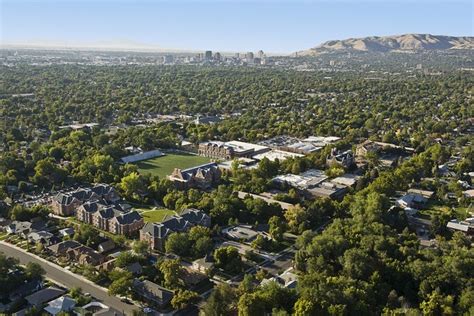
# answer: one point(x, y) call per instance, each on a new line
point(249, 57)
point(208, 55)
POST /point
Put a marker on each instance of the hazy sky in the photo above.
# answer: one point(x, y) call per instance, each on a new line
point(226, 25)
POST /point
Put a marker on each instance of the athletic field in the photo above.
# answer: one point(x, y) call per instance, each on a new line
point(163, 166)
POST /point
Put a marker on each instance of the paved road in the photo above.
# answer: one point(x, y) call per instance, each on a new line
point(68, 279)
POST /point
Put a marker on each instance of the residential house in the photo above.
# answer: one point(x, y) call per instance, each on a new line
point(466, 226)
point(44, 296)
point(63, 304)
point(286, 279)
point(340, 158)
point(412, 201)
point(62, 248)
point(106, 246)
point(157, 233)
point(85, 255)
point(134, 268)
point(203, 265)
point(152, 293)
point(43, 237)
point(23, 228)
point(66, 232)
point(469, 194)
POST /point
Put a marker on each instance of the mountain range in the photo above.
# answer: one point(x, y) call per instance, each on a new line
point(403, 43)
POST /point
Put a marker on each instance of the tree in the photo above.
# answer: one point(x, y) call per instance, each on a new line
point(178, 243)
point(121, 285)
point(277, 228)
point(228, 259)
point(34, 270)
point(222, 301)
point(141, 247)
point(132, 186)
point(184, 298)
point(124, 259)
point(296, 218)
point(437, 304)
point(172, 273)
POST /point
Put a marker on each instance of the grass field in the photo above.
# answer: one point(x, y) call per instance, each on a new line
point(163, 166)
point(156, 215)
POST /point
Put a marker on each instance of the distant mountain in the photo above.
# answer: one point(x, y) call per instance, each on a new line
point(406, 43)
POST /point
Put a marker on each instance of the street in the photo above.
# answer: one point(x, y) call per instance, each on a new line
point(68, 279)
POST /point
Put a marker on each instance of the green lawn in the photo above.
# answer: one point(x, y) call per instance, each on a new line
point(435, 208)
point(163, 166)
point(156, 215)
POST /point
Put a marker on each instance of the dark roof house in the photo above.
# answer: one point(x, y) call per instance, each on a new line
point(44, 296)
point(152, 292)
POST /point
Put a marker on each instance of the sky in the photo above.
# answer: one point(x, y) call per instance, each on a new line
point(280, 26)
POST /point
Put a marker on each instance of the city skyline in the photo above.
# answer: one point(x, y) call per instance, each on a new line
point(225, 26)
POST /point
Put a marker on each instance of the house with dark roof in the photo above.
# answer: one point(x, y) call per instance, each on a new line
point(152, 293)
point(201, 177)
point(60, 249)
point(44, 296)
point(106, 246)
point(85, 255)
point(157, 233)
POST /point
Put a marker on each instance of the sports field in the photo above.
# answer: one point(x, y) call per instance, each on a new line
point(163, 166)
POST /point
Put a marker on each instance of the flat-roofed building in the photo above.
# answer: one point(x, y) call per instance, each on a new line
point(305, 180)
point(277, 154)
point(329, 190)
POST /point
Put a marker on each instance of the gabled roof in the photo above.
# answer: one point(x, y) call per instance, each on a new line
point(107, 245)
point(26, 289)
point(108, 212)
point(61, 304)
point(194, 216)
point(68, 231)
point(152, 291)
point(128, 218)
point(64, 246)
point(156, 230)
point(41, 235)
point(44, 296)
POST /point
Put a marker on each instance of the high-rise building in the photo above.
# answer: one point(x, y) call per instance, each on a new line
point(168, 59)
point(260, 54)
point(249, 57)
point(208, 55)
point(217, 56)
